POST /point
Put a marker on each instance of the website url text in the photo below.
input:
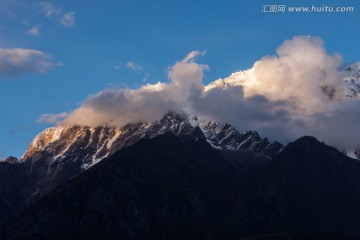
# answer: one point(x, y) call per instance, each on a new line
point(306, 9)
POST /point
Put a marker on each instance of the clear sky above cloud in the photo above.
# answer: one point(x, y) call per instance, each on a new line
point(54, 54)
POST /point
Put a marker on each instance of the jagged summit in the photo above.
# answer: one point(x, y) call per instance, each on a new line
point(308, 150)
point(308, 144)
point(60, 153)
point(308, 141)
point(95, 143)
point(172, 187)
point(305, 146)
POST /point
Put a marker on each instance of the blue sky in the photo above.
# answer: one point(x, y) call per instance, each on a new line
point(83, 47)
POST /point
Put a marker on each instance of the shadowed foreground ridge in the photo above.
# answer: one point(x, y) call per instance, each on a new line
point(165, 188)
point(181, 188)
point(61, 153)
point(309, 190)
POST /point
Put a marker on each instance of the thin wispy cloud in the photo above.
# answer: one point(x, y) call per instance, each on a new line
point(34, 31)
point(130, 65)
point(52, 12)
point(192, 56)
point(16, 130)
point(118, 66)
point(146, 77)
point(52, 118)
point(133, 66)
point(16, 62)
point(67, 19)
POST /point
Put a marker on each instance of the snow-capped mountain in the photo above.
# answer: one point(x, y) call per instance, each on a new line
point(60, 153)
point(92, 144)
point(352, 81)
point(235, 79)
point(88, 145)
point(348, 89)
point(173, 187)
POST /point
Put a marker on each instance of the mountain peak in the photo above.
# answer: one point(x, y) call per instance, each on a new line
point(311, 152)
point(61, 153)
point(44, 138)
point(170, 115)
point(308, 141)
point(95, 143)
point(10, 159)
point(305, 144)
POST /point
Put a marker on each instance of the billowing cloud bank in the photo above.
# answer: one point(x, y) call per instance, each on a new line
point(116, 107)
point(296, 92)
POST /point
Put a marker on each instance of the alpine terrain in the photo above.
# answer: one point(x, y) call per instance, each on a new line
point(61, 153)
point(180, 177)
point(179, 187)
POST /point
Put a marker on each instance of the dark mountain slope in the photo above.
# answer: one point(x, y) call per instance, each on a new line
point(11, 197)
point(165, 188)
point(181, 188)
point(60, 153)
point(308, 188)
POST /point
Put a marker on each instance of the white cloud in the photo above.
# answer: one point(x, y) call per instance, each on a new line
point(56, 13)
point(50, 10)
point(294, 93)
point(302, 72)
point(116, 107)
point(133, 66)
point(15, 62)
point(52, 118)
point(34, 31)
point(187, 71)
point(67, 19)
point(192, 56)
point(118, 66)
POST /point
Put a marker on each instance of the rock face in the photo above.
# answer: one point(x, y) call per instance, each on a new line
point(352, 81)
point(163, 188)
point(61, 153)
point(92, 144)
point(11, 194)
point(173, 187)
